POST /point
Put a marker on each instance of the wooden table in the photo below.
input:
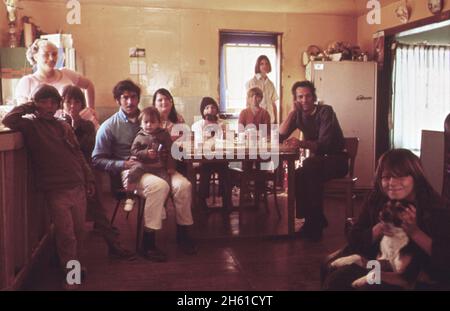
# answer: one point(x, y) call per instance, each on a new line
point(192, 154)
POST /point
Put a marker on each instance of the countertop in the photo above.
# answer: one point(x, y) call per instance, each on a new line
point(4, 130)
point(10, 140)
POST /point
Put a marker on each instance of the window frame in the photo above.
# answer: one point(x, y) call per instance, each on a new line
point(246, 37)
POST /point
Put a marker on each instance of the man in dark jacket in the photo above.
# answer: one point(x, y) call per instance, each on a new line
point(322, 136)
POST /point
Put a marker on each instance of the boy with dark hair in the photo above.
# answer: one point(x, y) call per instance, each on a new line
point(73, 103)
point(60, 169)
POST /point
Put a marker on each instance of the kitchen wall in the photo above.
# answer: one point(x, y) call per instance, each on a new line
point(3, 26)
point(419, 10)
point(181, 45)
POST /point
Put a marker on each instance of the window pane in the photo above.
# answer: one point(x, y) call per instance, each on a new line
point(239, 68)
point(421, 95)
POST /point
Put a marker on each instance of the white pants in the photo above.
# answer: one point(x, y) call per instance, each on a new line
point(155, 191)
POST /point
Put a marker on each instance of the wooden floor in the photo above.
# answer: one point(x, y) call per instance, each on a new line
point(240, 251)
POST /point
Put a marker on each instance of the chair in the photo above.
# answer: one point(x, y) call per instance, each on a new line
point(120, 194)
point(345, 185)
point(272, 175)
point(248, 178)
point(214, 184)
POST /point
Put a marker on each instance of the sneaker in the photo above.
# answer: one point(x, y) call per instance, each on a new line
point(299, 223)
point(128, 206)
point(155, 255)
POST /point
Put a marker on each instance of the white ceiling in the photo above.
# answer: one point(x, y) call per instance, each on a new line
point(335, 7)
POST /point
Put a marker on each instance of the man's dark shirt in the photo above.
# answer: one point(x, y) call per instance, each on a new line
point(322, 126)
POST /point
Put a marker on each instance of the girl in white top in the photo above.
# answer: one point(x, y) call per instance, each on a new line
point(262, 81)
point(43, 54)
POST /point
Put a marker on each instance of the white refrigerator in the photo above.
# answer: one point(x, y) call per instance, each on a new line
point(350, 88)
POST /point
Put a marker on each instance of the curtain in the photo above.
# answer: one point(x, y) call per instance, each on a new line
point(421, 92)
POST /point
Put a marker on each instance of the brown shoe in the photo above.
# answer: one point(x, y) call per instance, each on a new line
point(155, 255)
point(118, 252)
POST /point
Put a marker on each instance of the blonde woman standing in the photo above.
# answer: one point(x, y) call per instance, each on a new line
point(44, 55)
